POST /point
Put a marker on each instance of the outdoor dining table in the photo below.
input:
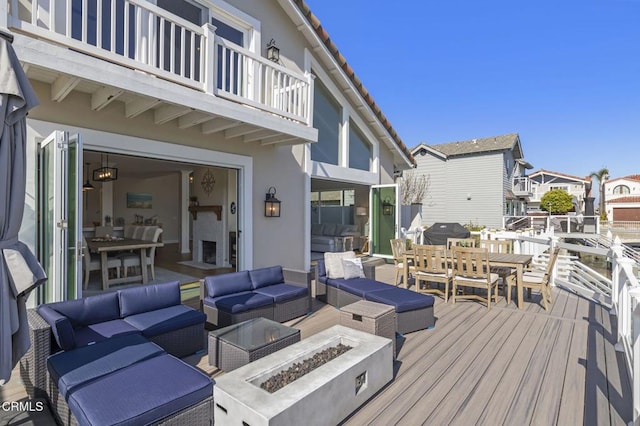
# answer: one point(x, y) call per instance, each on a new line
point(511, 260)
point(106, 245)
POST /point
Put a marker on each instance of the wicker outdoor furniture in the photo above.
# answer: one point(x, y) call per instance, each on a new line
point(371, 317)
point(239, 344)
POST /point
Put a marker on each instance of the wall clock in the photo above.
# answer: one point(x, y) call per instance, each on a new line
point(208, 181)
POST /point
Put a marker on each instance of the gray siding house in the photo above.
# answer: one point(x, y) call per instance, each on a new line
point(476, 181)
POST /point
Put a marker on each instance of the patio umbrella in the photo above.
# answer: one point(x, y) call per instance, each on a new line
point(20, 272)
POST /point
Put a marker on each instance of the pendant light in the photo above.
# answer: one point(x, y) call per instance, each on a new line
point(105, 173)
point(87, 185)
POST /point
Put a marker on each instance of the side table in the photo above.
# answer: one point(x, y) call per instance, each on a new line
point(371, 317)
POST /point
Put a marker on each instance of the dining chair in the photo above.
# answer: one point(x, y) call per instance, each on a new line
point(132, 260)
point(432, 266)
point(94, 263)
point(460, 242)
point(398, 248)
point(504, 272)
point(539, 282)
point(471, 268)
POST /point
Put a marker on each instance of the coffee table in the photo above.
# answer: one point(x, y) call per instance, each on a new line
point(239, 344)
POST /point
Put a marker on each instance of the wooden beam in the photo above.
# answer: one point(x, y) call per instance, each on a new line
point(278, 139)
point(169, 112)
point(62, 87)
point(103, 97)
point(193, 118)
point(136, 107)
point(245, 129)
point(258, 135)
point(217, 125)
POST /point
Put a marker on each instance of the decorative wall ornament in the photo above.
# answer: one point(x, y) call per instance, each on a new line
point(208, 182)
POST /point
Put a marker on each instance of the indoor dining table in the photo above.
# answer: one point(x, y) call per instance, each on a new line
point(106, 245)
point(517, 261)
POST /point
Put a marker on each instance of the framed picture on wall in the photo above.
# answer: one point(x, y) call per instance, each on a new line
point(136, 200)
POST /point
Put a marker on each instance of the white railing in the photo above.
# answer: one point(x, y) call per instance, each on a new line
point(563, 223)
point(139, 35)
point(245, 77)
point(522, 185)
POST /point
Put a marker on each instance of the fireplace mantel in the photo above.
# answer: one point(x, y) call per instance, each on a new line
point(195, 209)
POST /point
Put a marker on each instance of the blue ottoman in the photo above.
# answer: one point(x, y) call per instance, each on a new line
point(142, 393)
point(414, 310)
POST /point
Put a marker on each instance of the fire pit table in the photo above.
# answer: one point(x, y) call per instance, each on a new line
point(239, 344)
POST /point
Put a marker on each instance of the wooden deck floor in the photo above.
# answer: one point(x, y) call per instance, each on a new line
point(498, 366)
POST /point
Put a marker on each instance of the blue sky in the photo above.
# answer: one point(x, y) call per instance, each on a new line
point(564, 74)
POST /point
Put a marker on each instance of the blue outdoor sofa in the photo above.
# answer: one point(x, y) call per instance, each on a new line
point(272, 292)
point(414, 311)
point(113, 358)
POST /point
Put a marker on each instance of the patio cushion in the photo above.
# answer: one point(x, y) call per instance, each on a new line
point(165, 320)
point(69, 369)
point(147, 298)
point(266, 276)
point(283, 292)
point(142, 393)
point(97, 332)
point(61, 327)
point(358, 286)
point(89, 310)
point(235, 282)
point(239, 302)
point(402, 299)
point(322, 271)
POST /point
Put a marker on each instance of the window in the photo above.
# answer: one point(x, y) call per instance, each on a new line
point(327, 117)
point(621, 189)
point(359, 149)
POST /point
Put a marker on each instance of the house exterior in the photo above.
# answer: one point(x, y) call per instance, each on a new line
point(190, 82)
point(475, 181)
point(543, 181)
point(622, 198)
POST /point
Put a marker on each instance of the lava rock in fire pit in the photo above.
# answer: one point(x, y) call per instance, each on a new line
point(299, 369)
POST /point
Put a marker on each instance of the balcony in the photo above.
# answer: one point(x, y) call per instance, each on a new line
point(522, 186)
point(140, 36)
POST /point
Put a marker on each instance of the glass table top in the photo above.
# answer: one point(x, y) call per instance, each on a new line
point(254, 333)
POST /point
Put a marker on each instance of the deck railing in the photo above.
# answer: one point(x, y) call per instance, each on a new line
point(140, 35)
point(564, 223)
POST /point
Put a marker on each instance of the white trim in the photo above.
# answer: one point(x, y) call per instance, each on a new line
point(234, 17)
point(343, 174)
point(130, 145)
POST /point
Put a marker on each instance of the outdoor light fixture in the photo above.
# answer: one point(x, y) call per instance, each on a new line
point(271, 203)
point(87, 185)
point(387, 207)
point(105, 173)
point(273, 53)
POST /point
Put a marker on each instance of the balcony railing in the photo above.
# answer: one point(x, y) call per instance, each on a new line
point(141, 36)
point(522, 186)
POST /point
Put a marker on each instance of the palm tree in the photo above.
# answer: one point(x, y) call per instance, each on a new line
point(602, 175)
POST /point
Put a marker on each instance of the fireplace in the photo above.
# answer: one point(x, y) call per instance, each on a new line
point(209, 252)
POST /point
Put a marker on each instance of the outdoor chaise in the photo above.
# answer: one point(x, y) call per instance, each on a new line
point(103, 359)
point(414, 311)
point(273, 292)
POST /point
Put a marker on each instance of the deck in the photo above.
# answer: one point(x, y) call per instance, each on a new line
point(479, 366)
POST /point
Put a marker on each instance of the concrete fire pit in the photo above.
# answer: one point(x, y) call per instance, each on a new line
point(326, 395)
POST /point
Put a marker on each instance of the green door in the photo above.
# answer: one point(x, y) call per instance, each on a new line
point(60, 237)
point(384, 208)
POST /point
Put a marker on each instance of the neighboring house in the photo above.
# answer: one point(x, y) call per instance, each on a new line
point(622, 198)
point(189, 82)
point(543, 181)
point(475, 181)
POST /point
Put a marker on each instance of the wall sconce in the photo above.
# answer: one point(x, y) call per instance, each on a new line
point(105, 173)
point(273, 53)
point(271, 203)
point(87, 185)
point(468, 196)
point(387, 207)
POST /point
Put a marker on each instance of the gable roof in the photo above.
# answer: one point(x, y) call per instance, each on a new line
point(586, 179)
point(475, 146)
point(630, 177)
point(350, 73)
